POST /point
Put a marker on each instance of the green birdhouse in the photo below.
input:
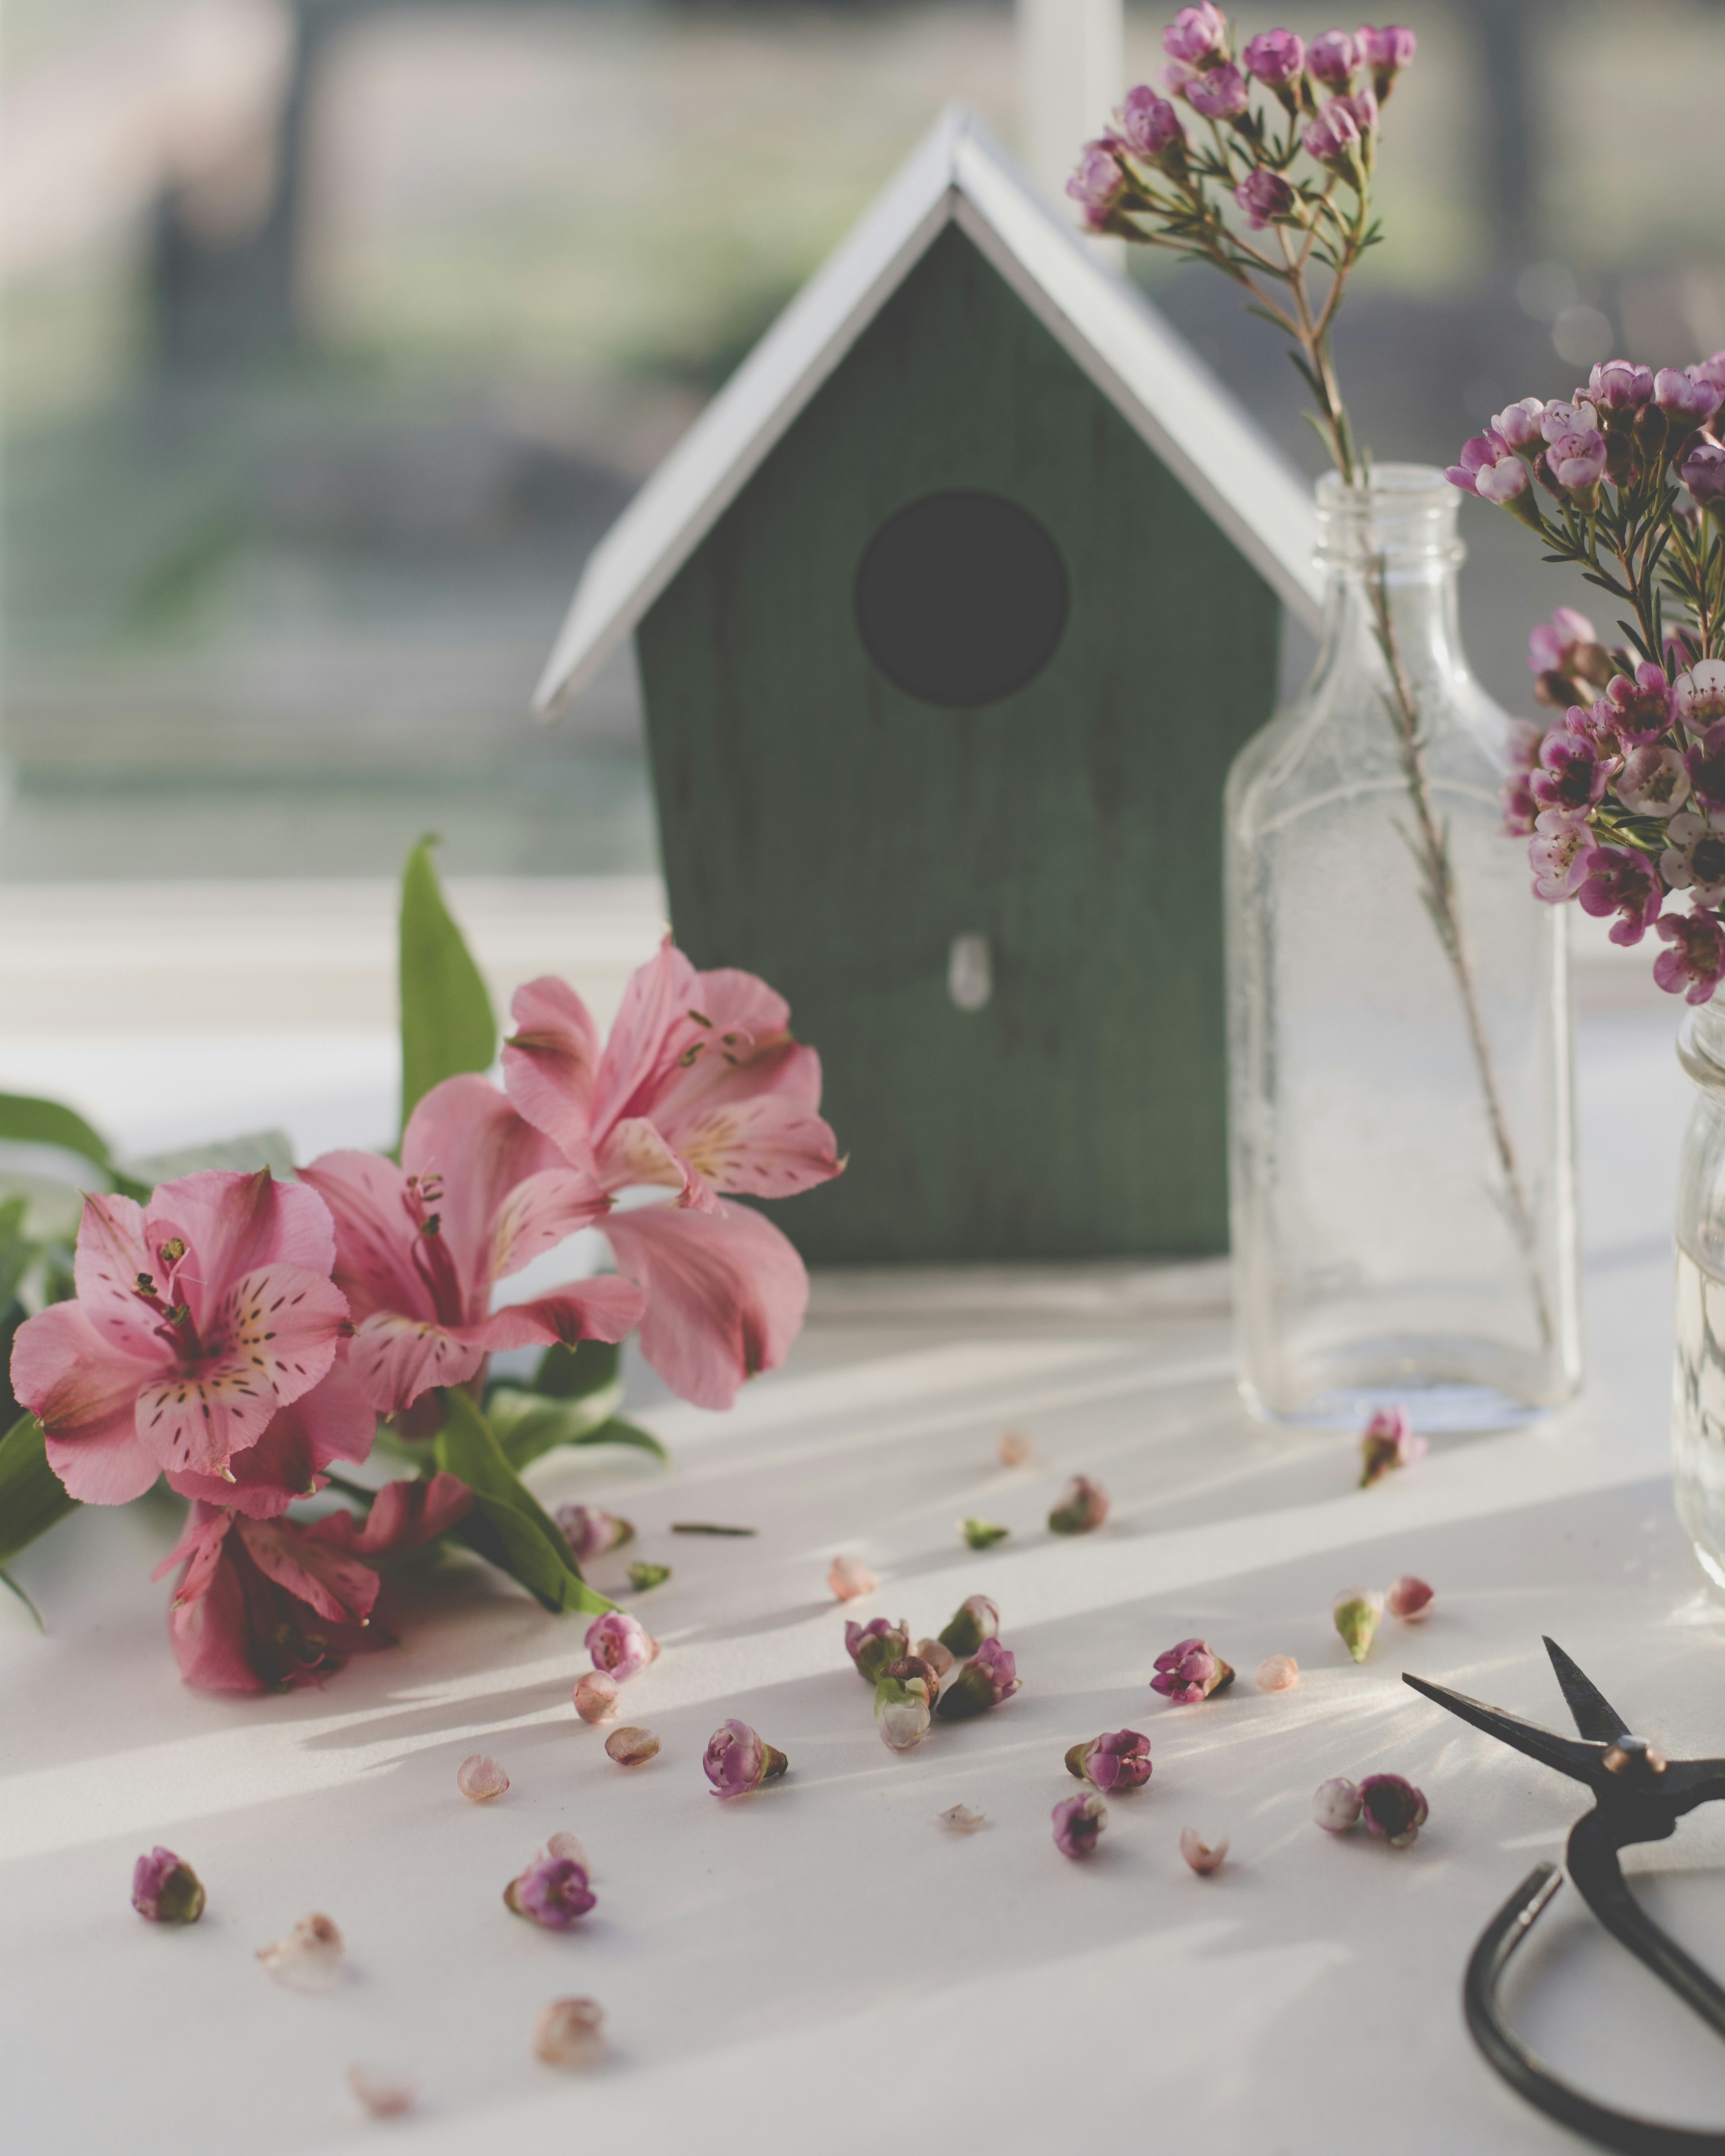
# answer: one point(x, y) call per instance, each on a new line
point(950, 611)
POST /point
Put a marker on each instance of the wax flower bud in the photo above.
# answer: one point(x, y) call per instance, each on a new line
point(1386, 52)
point(1333, 58)
point(873, 1646)
point(975, 1620)
point(1392, 1809)
point(1121, 1760)
point(1386, 1441)
point(596, 1695)
point(939, 1658)
point(1083, 1506)
point(618, 1644)
point(568, 2033)
point(1197, 35)
point(1408, 1599)
point(552, 1892)
point(631, 1747)
point(849, 1577)
point(1357, 1612)
point(308, 1958)
point(736, 1761)
point(903, 1708)
point(1335, 1806)
point(1277, 1673)
point(1276, 57)
point(1188, 1673)
point(1198, 1853)
point(982, 1534)
point(990, 1676)
point(166, 1889)
point(1150, 128)
point(1077, 1823)
point(591, 1533)
point(479, 1778)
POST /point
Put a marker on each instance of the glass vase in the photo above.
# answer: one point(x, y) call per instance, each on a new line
point(1401, 1142)
point(1698, 1365)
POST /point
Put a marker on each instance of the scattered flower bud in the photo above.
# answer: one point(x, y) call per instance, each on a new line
point(939, 1657)
point(630, 1747)
point(1198, 1853)
point(849, 1577)
point(982, 1534)
point(975, 1620)
point(308, 1958)
point(552, 1891)
point(479, 1778)
point(1077, 1822)
point(873, 1646)
point(1392, 1809)
point(1015, 1448)
point(1387, 1444)
point(1335, 1806)
point(1278, 1673)
point(565, 1844)
point(1188, 1673)
point(912, 1669)
point(381, 2096)
point(618, 1644)
point(902, 1711)
point(962, 1819)
point(596, 1695)
point(736, 1761)
point(568, 2033)
point(990, 1676)
point(1083, 1506)
point(590, 1533)
point(1117, 1762)
point(166, 1889)
point(641, 1577)
point(1357, 1614)
point(1408, 1599)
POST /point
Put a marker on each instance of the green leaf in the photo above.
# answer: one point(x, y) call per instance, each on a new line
point(528, 1424)
point(24, 1120)
point(33, 1498)
point(247, 1153)
point(447, 1023)
point(570, 1373)
point(617, 1431)
point(16, 1251)
point(510, 1527)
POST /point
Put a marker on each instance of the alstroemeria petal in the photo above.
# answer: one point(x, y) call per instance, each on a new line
point(83, 1390)
point(550, 1064)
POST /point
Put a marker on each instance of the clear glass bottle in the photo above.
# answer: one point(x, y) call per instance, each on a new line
point(1698, 1365)
point(1401, 1139)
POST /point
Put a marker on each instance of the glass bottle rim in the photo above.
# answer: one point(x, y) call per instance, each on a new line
point(1404, 514)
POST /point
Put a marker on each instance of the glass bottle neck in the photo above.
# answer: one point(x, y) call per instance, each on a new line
point(1391, 553)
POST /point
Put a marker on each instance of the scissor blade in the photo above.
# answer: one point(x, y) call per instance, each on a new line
point(1570, 1756)
point(1595, 1716)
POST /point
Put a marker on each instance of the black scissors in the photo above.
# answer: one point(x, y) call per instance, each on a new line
point(1639, 1796)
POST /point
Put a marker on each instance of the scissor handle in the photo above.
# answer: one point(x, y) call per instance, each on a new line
point(1595, 1841)
point(1523, 2070)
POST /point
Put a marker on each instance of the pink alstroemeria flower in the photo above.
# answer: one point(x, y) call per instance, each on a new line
point(263, 1606)
point(700, 1089)
point(420, 1248)
point(198, 1317)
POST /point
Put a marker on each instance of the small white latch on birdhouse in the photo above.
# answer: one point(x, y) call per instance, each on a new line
point(970, 971)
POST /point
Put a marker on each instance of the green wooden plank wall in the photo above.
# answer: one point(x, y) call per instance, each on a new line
point(822, 829)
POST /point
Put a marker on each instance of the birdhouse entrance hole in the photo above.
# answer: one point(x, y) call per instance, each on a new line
point(961, 599)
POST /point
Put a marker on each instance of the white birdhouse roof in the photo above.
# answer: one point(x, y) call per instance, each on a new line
point(958, 176)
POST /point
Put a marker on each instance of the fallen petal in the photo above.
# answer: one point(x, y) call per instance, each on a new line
point(568, 2033)
point(962, 1819)
point(849, 1577)
point(566, 1845)
point(308, 1958)
point(1278, 1673)
point(479, 1778)
point(939, 1657)
point(630, 1747)
point(1015, 1449)
point(1198, 1853)
point(596, 1695)
point(383, 2096)
point(1408, 1599)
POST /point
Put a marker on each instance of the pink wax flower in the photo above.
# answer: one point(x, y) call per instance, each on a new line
point(1489, 468)
point(736, 1761)
point(873, 1646)
point(1097, 181)
point(1618, 388)
point(1653, 782)
point(420, 1247)
point(166, 1889)
point(591, 1532)
point(1686, 398)
point(197, 1319)
point(986, 1680)
point(480, 1780)
point(1571, 777)
point(1576, 463)
point(1219, 93)
point(1702, 471)
point(1694, 859)
point(1520, 809)
point(1699, 695)
point(619, 1646)
point(1077, 1823)
point(1333, 139)
point(975, 1620)
point(1551, 646)
point(553, 1891)
point(1692, 966)
point(263, 1606)
point(1197, 35)
point(1409, 1599)
point(1711, 370)
point(1391, 1808)
point(1363, 106)
point(1565, 416)
point(1189, 1672)
point(1276, 57)
point(1119, 1761)
point(1387, 1443)
point(1614, 881)
point(1641, 709)
point(1556, 853)
point(1083, 1507)
point(1265, 197)
point(1149, 125)
point(700, 1089)
point(1387, 52)
point(1333, 59)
